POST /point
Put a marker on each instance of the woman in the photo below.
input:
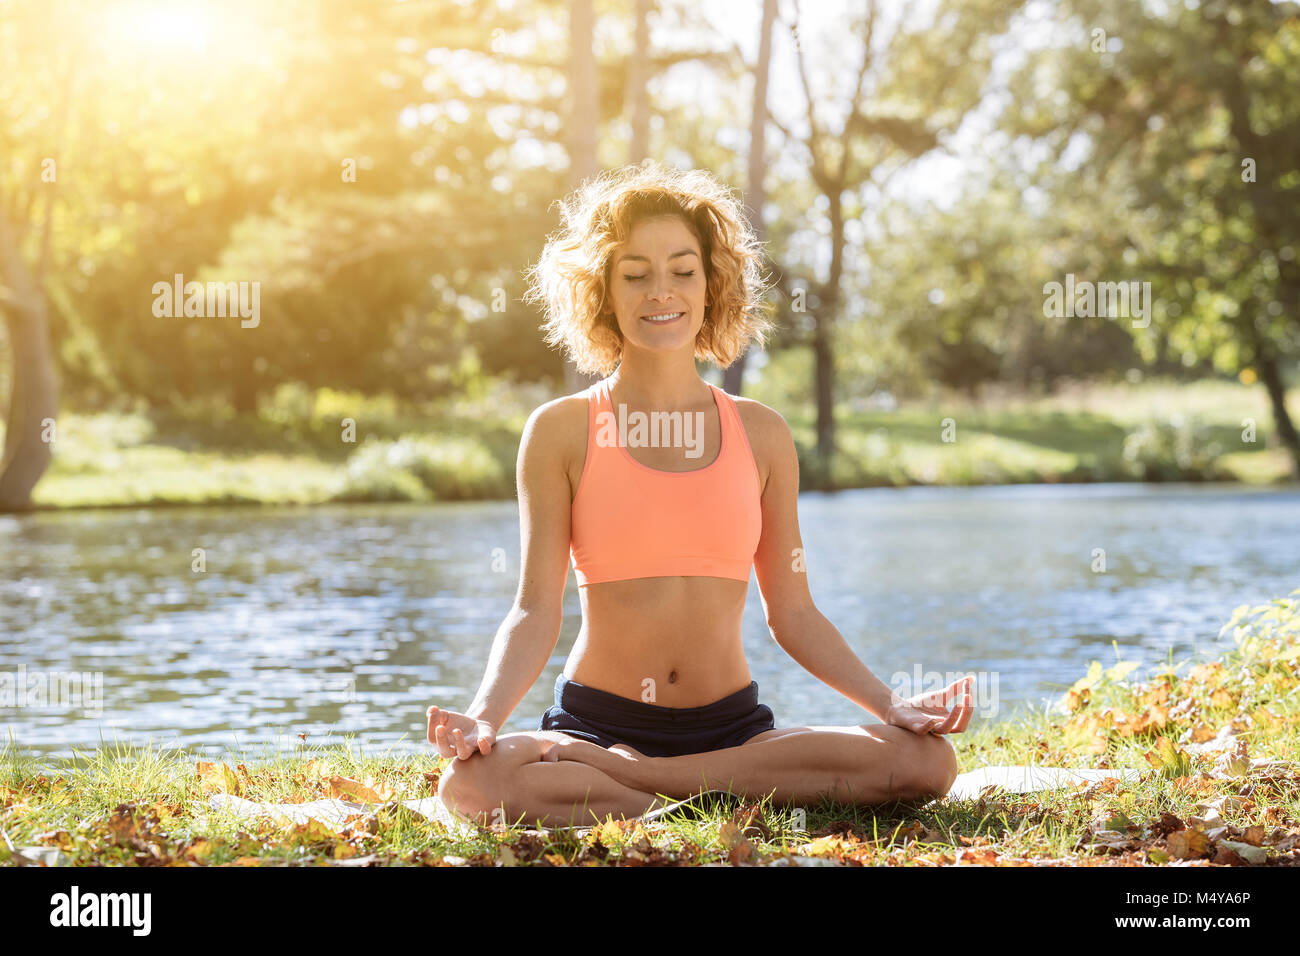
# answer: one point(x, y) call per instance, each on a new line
point(652, 269)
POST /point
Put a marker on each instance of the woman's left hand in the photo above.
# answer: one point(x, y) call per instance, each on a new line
point(929, 713)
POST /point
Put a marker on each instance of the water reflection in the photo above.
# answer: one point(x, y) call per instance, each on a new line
point(352, 619)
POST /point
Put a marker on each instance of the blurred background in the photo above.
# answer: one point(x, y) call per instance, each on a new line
point(368, 181)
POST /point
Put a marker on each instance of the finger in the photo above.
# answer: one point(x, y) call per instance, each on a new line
point(965, 705)
point(954, 691)
point(445, 748)
point(948, 721)
point(944, 697)
point(964, 712)
point(458, 741)
point(941, 726)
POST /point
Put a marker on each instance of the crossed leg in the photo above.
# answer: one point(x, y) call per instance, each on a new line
point(551, 779)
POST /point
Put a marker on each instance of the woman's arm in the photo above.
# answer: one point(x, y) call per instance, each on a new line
point(780, 565)
point(527, 637)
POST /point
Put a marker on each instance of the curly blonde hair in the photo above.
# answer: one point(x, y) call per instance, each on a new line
point(571, 279)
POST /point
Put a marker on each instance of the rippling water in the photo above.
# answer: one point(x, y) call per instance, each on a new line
point(352, 619)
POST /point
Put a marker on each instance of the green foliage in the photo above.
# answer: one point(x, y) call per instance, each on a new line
point(1188, 130)
point(372, 476)
point(417, 467)
point(1173, 450)
point(1255, 628)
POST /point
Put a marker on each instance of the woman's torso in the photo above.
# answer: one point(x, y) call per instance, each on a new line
point(674, 641)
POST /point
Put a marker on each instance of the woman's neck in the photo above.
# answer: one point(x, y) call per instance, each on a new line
point(659, 385)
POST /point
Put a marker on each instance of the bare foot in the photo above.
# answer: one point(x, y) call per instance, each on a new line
point(621, 762)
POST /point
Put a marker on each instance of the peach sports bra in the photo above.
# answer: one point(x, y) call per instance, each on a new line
point(633, 521)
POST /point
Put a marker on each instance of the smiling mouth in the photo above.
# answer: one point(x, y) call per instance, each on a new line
point(662, 318)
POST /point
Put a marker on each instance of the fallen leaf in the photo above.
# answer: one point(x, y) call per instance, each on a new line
point(338, 786)
point(1254, 855)
point(218, 778)
point(1189, 844)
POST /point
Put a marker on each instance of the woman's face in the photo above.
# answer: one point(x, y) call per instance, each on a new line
point(657, 286)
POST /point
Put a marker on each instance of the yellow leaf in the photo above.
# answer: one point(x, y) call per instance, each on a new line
point(1205, 673)
point(729, 835)
point(609, 834)
point(824, 846)
point(1202, 732)
point(347, 787)
point(1188, 844)
point(201, 850)
point(1092, 677)
point(1223, 698)
point(218, 778)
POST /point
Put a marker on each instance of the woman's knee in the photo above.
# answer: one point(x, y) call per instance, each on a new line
point(927, 763)
point(936, 764)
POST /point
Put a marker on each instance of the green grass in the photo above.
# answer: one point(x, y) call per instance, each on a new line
point(149, 808)
point(298, 448)
point(1152, 431)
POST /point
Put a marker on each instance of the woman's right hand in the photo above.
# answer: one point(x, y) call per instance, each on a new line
point(459, 735)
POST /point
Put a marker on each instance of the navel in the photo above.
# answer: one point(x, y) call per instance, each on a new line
point(672, 677)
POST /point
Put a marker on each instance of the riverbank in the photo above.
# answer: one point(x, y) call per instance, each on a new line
point(1214, 746)
point(307, 448)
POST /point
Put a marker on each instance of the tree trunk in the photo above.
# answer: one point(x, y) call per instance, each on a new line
point(33, 402)
point(734, 377)
point(638, 71)
point(824, 383)
point(583, 120)
point(823, 339)
point(1271, 375)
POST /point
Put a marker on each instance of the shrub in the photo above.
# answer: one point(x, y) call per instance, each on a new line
point(1173, 450)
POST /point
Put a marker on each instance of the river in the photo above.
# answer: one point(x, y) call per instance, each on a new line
point(351, 619)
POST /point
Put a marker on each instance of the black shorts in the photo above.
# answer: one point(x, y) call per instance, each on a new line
point(607, 719)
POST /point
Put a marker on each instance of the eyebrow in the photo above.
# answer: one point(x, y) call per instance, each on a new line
point(679, 252)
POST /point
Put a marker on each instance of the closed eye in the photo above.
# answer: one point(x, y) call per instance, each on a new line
point(684, 275)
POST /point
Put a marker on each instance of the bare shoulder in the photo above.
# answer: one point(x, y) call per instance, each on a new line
point(556, 433)
point(764, 425)
point(552, 421)
point(769, 439)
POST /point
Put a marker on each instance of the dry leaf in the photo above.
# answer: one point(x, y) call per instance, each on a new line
point(218, 778)
point(1188, 844)
point(338, 786)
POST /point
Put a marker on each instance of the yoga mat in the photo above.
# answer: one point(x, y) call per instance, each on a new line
point(968, 786)
point(1026, 779)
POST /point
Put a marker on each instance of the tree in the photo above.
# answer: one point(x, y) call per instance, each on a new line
point(638, 94)
point(1191, 115)
point(733, 378)
point(914, 84)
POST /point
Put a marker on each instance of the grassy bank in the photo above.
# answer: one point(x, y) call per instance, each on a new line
point(313, 447)
point(1215, 742)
